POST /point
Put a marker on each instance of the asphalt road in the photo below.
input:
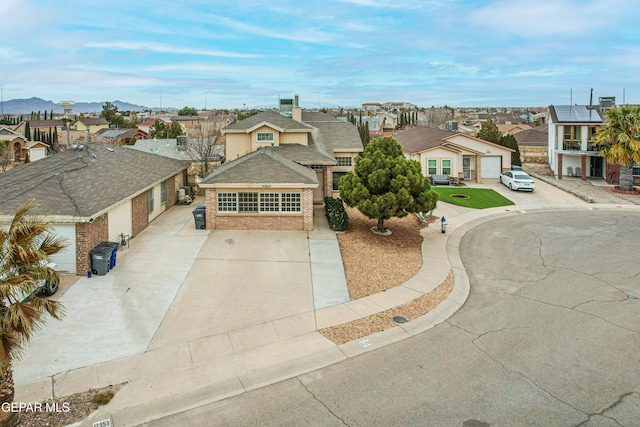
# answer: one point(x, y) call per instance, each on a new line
point(548, 337)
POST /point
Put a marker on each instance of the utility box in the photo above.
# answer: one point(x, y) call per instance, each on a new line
point(200, 217)
point(100, 259)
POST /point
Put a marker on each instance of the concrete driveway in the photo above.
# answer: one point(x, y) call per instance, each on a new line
point(186, 309)
point(545, 195)
point(548, 337)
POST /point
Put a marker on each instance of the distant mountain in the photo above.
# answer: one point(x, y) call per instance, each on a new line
point(26, 106)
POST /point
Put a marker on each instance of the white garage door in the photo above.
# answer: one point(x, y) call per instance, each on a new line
point(66, 260)
point(36, 154)
point(491, 167)
point(120, 221)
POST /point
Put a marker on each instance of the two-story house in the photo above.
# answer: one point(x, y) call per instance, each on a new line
point(278, 167)
point(570, 142)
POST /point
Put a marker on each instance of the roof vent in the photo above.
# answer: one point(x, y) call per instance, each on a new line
point(109, 149)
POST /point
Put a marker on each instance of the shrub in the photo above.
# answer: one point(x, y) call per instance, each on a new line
point(336, 214)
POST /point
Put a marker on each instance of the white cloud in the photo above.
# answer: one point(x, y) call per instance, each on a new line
point(161, 48)
point(542, 18)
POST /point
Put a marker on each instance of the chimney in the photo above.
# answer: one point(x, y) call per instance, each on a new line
point(296, 111)
point(296, 114)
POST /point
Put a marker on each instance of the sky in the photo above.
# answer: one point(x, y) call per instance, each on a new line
point(247, 53)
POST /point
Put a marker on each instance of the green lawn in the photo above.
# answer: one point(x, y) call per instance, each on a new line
point(479, 198)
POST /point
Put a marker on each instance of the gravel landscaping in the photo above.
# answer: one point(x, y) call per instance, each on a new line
point(374, 264)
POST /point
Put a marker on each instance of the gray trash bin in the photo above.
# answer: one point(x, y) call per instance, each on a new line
point(200, 217)
point(100, 259)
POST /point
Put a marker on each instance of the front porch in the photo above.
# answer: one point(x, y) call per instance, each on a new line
point(580, 165)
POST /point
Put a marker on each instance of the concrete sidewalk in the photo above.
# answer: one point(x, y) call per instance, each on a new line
point(183, 366)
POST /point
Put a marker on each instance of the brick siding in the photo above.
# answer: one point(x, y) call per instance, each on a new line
point(257, 221)
point(88, 236)
point(172, 192)
point(139, 213)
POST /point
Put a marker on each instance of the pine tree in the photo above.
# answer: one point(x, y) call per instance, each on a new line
point(384, 184)
point(490, 132)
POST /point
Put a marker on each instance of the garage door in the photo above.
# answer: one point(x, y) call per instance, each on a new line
point(491, 167)
point(36, 154)
point(66, 260)
point(120, 221)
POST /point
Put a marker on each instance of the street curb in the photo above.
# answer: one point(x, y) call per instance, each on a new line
point(554, 182)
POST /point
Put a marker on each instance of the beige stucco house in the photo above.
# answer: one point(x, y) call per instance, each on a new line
point(443, 152)
point(278, 167)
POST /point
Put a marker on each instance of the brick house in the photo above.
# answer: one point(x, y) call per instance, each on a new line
point(102, 192)
point(278, 167)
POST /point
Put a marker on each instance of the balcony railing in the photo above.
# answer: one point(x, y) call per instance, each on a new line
point(571, 145)
point(591, 147)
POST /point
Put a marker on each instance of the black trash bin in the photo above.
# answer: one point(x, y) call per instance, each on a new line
point(200, 217)
point(100, 259)
point(114, 250)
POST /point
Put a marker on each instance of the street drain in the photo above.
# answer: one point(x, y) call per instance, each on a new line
point(459, 196)
point(399, 319)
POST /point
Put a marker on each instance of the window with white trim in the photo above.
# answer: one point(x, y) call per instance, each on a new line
point(163, 192)
point(317, 167)
point(259, 202)
point(446, 167)
point(344, 161)
point(269, 202)
point(265, 137)
point(636, 169)
point(432, 167)
point(291, 202)
point(227, 202)
point(247, 202)
point(150, 203)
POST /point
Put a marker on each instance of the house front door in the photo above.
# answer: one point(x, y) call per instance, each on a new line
point(596, 167)
point(466, 167)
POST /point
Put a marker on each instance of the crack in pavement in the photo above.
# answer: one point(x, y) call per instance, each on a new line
point(321, 402)
point(569, 308)
point(608, 408)
point(506, 369)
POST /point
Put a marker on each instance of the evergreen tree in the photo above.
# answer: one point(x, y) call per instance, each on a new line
point(27, 131)
point(490, 132)
point(510, 141)
point(384, 184)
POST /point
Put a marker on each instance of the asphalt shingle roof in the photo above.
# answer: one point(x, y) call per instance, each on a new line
point(273, 117)
point(85, 182)
point(422, 138)
point(262, 167)
point(333, 134)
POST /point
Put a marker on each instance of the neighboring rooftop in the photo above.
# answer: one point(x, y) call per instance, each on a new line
point(422, 138)
point(273, 117)
point(574, 114)
point(84, 183)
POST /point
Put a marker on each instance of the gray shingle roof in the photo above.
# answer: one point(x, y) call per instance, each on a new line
point(422, 138)
point(273, 117)
point(305, 155)
point(262, 167)
point(169, 148)
point(84, 183)
point(333, 134)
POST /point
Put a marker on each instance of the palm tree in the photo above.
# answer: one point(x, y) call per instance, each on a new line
point(26, 246)
point(619, 141)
